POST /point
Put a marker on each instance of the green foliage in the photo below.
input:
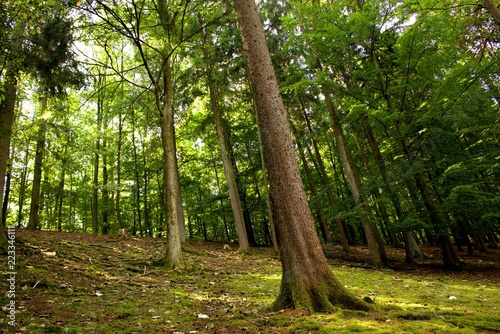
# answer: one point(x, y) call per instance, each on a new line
point(51, 59)
point(424, 72)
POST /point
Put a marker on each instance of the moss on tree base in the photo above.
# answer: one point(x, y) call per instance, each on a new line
point(323, 295)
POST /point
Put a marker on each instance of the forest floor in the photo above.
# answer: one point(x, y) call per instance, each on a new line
point(76, 283)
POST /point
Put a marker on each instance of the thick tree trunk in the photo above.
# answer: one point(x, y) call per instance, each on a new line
point(33, 223)
point(307, 280)
point(7, 106)
point(234, 196)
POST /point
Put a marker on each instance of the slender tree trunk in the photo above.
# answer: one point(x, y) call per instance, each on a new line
point(22, 188)
point(324, 178)
point(307, 280)
point(411, 247)
point(118, 174)
point(173, 256)
point(325, 231)
point(180, 206)
point(60, 190)
point(60, 200)
point(375, 245)
point(5, 203)
point(137, 180)
point(95, 190)
point(234, 197)
point(161, 192)
point(377, 250)
point(265, 182)
point(33, 223)
point(105, 191)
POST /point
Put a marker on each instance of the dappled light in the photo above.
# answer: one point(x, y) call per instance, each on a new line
point(244, 166)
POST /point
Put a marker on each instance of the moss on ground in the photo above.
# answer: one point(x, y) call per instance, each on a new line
point(224, 292)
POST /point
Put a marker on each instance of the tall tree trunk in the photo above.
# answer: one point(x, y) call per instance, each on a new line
point(7, 107)
point(375, 245)
point(173, 256)
point(145, 178)
point(377, 250)
point(22, 188)
point(325, 231)
point(265, 182)
point(60, 189)
point(234, 196)
point(137, 187)
point(95, 190)
point(324, 178)
point(119, 174)
point(307, 280)
point(180, 207)
point(382, 209)
point(37, 171)
point(411, 247)
point(105, 192)
point(174, 212)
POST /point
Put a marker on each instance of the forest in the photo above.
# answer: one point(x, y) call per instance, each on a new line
point(301, 125)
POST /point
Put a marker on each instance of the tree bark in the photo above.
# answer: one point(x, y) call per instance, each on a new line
point(105, 192)
point(307, 280)
point(234, 197)
point(119, 173)
point(22, 188)
point(272, 226)
point(137, 188)
point(315, 198)
point(324, 177)
point(33, 223)
point(60, 190)
point(173, 255)
point(377, 250)
point(5, 204)
point(7, 106)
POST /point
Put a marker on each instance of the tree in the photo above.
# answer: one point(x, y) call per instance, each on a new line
point(55, 68)
point(307, 280)
point(226, 161)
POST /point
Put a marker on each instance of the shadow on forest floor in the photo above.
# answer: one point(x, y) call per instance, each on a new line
point(80, 283)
